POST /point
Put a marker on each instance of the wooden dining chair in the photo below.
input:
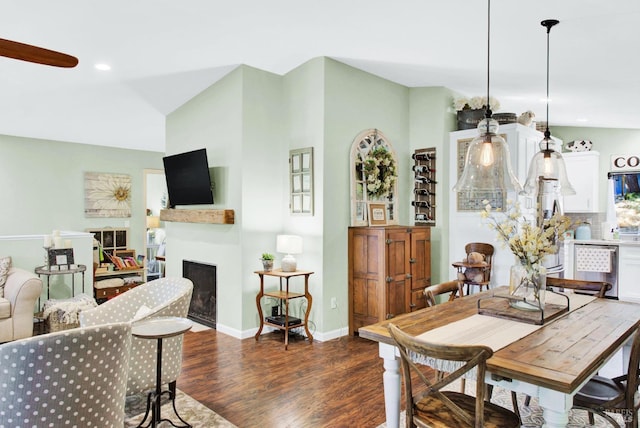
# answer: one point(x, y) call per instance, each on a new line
point(427, 404)
point(453, 287)
point(602, 394)
point(597, 288)
point(485, 249)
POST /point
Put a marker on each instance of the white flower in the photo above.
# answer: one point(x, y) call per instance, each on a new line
point(460, 103)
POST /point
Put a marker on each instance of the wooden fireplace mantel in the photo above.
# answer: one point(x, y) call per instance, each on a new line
point(198, 216)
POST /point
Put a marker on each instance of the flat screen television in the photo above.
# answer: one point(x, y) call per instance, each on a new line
point(188, 180)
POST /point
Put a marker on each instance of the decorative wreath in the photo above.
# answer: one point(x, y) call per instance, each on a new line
point(380, 172)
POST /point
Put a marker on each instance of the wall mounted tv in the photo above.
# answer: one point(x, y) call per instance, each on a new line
point(188, 179)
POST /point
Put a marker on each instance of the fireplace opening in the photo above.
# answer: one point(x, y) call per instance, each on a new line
point(203, 300)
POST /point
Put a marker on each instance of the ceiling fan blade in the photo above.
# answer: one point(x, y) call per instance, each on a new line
point(35, 54)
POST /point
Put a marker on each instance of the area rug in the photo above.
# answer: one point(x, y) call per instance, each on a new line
point(532, 415)
point(192, 411)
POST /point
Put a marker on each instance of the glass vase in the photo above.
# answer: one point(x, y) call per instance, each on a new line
point(528, 283)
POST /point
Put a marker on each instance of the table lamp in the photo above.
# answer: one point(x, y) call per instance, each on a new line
point(289, 245)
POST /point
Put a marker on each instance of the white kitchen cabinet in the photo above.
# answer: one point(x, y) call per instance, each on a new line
point(583, 173)
point(628, 273)
point(464, 217)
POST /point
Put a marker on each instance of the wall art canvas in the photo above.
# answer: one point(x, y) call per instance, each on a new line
point(107, 195)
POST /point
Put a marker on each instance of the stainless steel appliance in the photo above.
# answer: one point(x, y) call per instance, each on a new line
point(597, 263)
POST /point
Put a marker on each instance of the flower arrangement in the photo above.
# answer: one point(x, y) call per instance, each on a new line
point(529, 243)
point(380, 172)
point(475, 103)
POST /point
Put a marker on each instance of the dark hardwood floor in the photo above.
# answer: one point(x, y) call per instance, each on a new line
point(337, 383)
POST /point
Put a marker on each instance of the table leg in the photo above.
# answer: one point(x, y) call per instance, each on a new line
point(391, 381)
point(555, 408)
point(156, 410)
point(308, 311)
point(259, 305)
point(286, 319)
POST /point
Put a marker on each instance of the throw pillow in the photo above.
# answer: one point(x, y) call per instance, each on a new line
point(5, 265)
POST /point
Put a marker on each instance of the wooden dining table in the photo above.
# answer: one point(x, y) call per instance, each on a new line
point(551, 363)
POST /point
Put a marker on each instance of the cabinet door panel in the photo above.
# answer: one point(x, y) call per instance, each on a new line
point(418, 300)
point(421, 259)
point(398, 269)
point(397, 298)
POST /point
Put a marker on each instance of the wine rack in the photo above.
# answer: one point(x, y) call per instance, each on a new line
point(424, 190)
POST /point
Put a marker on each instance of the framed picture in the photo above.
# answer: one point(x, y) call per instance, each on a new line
point(61, 257)
point(377, 214)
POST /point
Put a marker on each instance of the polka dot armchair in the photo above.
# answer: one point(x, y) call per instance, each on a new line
point(159, 298)
point(73, 378)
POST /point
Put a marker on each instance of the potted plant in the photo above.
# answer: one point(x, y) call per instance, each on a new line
point(267, 261)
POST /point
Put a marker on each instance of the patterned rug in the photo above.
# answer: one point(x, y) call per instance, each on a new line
point(196, 414)
point(532, 415)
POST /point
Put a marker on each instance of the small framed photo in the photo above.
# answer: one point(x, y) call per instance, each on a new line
point(61, 256)
point(377, 214)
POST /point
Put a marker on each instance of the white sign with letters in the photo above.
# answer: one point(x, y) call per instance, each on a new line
point(625, 163)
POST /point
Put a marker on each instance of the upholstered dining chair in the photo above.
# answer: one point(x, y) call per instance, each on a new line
point(602, 394)
point(427, 404)
point(159, 298)
point(73, 377)
point(454, 288)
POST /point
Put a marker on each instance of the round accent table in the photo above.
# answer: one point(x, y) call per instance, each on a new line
point(160, 328)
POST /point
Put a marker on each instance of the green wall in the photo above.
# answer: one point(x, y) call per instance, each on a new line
point(249, 121)
point(43, 186)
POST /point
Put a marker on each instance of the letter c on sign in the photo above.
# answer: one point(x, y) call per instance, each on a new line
point(619, 162)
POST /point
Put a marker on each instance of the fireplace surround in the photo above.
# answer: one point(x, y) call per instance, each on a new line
point(204, 298)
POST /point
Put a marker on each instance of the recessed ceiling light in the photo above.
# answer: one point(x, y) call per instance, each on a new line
point(102, 67)
point(582, 119)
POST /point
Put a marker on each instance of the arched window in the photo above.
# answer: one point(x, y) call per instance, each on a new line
point(374, 173)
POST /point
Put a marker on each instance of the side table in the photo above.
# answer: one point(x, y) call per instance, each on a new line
point(43, 270)
point(285, 296)
point(160, 328)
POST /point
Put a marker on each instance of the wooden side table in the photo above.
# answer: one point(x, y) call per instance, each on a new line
point(284, 296)
point(160, 328)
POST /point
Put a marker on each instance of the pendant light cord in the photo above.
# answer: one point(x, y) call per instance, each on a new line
point(488, 111)
point(548, 23)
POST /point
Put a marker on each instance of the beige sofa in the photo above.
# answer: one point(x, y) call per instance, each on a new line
point(21, 291)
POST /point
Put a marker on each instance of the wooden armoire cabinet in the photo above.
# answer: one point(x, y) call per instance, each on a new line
point(389, 267)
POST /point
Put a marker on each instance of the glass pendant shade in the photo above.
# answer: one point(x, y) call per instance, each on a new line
point(487, 165)
point(547, 164)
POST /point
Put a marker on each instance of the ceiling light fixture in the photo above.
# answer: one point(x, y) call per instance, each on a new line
point(487, 166)
point(548, 165)
point(102, 67)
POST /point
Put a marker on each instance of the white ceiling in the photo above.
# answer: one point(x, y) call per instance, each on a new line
point(163, 52)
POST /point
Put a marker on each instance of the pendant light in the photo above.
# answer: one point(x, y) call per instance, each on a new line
point(548, 165)
point(487, 165)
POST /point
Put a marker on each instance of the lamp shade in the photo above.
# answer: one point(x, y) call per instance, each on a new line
point(547, 164)
point(289, 244)
point(487, 165)
point(153, 222)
